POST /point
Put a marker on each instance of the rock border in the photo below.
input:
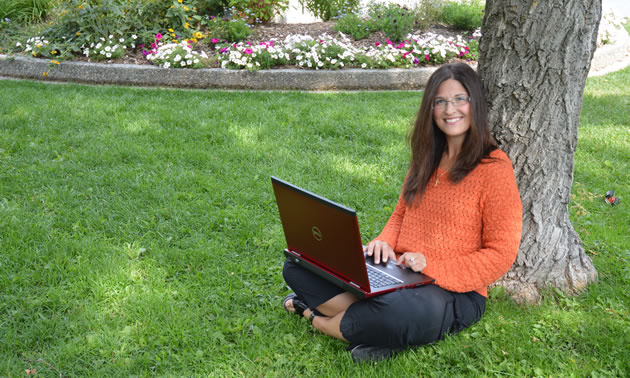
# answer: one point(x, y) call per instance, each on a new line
point(606, 59)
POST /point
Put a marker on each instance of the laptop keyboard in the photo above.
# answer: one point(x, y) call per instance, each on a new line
point(379, 278)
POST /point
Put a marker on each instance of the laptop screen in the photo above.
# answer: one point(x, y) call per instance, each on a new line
point(322, 231)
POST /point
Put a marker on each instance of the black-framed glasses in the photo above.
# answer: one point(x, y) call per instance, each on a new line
point(441, 104)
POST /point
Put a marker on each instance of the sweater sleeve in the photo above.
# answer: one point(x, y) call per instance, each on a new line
point(392, 228)
point(501, 212)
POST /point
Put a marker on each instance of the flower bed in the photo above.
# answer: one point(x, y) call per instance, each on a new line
point(324, 52)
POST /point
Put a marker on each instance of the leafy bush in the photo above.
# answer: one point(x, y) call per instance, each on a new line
point(25, 11)
point(356, 26)
point(427, 13)
point(212, 7)
point(395, 21)
point(467, 15)
point(228, 29)
point(259, 10)
point(327, 9)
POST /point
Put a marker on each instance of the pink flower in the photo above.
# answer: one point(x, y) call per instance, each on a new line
point(248, 51)
point(426, 57)
point(153, 45)
point(405, 54)
point(158, 36)
point(214, 40)
point(389, 42)
point(225, 49)
point(377, 44)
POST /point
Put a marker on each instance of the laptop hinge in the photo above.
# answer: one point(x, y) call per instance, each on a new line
point(294, 253)
point(353, 284)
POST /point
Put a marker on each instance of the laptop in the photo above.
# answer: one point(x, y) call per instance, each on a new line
point(323, 237)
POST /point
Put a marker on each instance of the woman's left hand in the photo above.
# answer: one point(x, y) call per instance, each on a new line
point(414, 260)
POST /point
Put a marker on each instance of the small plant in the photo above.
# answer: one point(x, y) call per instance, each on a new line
point(396, 22)
point(255, 11)
point(356, 26)
point(229, 29)
point(427, 13)
point(328, 9)
point(25, 11)
point(466, 15)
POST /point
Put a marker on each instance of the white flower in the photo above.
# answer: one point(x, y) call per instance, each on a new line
point(111, 37)
point(108, 55)
point(189, 62)
point(18, 44)
point(167, 64)
point(333, 61)
point(183, 63)
point(121, 40)
point(108, 48)
point(134, 36)
point(363, 65)
point(177, 58)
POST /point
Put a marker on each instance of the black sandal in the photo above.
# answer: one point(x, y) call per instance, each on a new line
point(298, 305)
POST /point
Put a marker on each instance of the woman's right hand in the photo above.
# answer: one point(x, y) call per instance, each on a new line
point(381, 250)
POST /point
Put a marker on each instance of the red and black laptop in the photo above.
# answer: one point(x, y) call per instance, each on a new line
point(323, 237)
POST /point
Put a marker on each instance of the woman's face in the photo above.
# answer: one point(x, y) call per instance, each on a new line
point(451, 109)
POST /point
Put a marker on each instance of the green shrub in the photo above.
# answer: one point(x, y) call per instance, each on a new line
point(427, 13)
point(25, 11)
point(212, 7)
point(258, 10)
point(395, 21)
point(327, 9)
point(467, 15)
point(228, 29)
point(355, 25)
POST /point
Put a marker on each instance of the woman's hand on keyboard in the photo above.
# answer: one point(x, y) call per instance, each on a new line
point(381, 250)
point(414, 260)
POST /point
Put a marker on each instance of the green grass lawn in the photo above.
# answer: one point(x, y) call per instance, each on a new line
point(139, 234)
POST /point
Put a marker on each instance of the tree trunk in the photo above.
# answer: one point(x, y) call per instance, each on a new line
point(534, 58)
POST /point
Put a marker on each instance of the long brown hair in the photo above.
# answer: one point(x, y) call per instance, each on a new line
point(428, 141)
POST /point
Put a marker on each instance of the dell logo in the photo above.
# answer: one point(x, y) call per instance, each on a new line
point(317, 233)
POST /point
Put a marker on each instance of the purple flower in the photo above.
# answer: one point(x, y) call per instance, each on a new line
point(416, 61)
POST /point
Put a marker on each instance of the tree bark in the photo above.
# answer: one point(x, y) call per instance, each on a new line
point(534, 59)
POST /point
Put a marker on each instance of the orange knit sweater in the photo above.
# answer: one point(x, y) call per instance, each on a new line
point(469, 232)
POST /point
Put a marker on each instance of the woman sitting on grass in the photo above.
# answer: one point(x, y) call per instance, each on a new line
point(458, 220)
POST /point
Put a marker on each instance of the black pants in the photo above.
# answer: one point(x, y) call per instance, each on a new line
point(398, 319)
